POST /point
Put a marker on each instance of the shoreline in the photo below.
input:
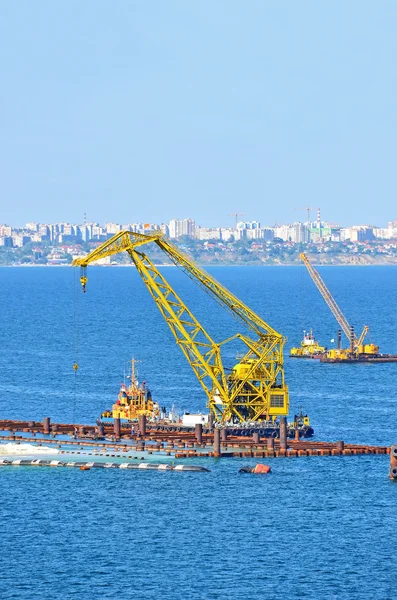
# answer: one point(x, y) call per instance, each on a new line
point(208, 265)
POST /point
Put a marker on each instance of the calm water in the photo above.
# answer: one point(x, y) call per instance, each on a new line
point(316, 528)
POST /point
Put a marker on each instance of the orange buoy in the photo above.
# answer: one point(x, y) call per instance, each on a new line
point(84, 468)
point(259, 468)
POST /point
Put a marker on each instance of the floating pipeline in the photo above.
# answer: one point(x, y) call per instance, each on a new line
point(23, 462)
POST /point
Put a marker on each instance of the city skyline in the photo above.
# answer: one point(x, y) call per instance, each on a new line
point(309, 232)
point(230, 220)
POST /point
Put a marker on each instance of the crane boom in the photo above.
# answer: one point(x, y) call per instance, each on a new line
point(330, 300)
point(255, 388)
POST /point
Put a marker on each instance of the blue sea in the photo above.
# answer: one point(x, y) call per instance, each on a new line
point(316, 527)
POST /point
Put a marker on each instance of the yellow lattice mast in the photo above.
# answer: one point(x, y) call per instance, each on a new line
point(336, 311)
point(255, 389)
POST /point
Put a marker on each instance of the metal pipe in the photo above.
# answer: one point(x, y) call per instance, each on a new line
point(255, 437)
point(117, 427)
point(217, 442)
point(142, 424)
point(46, 425)
point(283, 433)
point(270, 443)
point(223, 435)
point(198, 432)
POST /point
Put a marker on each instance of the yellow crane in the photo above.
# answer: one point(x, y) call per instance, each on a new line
point(255, 387)
point(357, 346)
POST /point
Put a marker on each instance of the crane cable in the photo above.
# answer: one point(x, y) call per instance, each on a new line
point(75, 344)
point(302, 311)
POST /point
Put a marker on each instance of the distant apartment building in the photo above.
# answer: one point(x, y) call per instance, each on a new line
point(248, 225)
point(382, 233)
point(32, 226)
point(179, 227)
point(298, 233)
point(5, 231)
point(6, 241)
point(19, 240)
point(357, 233)
point(112, 228)
point(97, 232)
point(85, 232)
point(165, 229)
point(392, 227)
point(227, 234)
point(204, 233)
point(281, 232)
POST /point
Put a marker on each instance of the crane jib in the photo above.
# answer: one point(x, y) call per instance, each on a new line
point(254, 388)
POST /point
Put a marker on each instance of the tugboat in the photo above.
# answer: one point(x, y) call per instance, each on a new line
point(309, 347)
point(133, 401)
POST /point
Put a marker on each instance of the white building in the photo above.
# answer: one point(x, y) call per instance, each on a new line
point(112, 228)
point(179, 227)
point(203, 233)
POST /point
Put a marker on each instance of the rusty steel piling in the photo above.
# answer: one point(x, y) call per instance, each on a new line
point(393, 462)
point(117, 428)
point(198, 433)
point(283, 433)
point(142, 424)
point(217, 442)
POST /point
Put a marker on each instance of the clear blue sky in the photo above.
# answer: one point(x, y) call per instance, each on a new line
point(148, 110)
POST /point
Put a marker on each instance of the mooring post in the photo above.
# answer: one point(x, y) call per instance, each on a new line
point(117, 427)
point(270, 444)
point(393, 462)
point(296, 435)
point(223, 435)
point(142, 424)
point(46, 425)
point(101, 430)
point(340, 445)
point(256, 437)
point(217, 442)
point(198, 431)
point(211, 420)
point(283, 433)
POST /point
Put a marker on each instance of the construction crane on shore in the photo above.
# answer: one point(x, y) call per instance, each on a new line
point(236, 215)
point(308, 209)
point(357, 346)
point(254, 388)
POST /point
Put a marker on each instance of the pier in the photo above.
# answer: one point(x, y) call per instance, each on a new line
point(177, 442)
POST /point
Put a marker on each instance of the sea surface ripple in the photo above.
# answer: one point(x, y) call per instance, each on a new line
point(319, 527)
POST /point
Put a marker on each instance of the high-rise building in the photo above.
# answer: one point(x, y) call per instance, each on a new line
point(179, 227)
point(112, 228)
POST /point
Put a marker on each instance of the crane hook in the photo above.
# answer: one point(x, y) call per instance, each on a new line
point(83, 278)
